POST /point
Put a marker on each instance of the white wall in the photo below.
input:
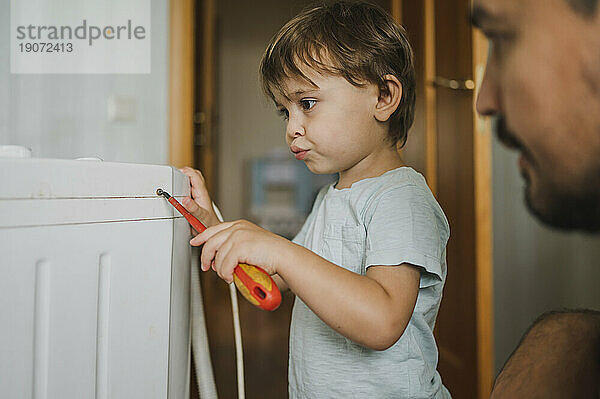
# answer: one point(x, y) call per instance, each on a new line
point(535, 269)
point(65, 116)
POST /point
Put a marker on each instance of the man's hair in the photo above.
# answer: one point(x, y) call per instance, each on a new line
point(584, 7)
point(355, 40)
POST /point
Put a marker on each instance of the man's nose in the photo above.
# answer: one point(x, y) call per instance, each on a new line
point(488, 103)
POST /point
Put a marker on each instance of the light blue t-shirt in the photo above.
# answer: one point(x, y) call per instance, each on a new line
point(385, 220)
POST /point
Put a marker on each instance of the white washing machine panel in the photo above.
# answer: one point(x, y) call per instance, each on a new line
point(94, 281)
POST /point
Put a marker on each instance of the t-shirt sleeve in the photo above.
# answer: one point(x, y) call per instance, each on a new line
point(406, 225)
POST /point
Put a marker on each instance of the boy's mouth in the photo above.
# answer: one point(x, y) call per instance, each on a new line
point(299, 153)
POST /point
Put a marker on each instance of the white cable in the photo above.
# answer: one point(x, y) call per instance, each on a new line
point(237, 330)
point(202, 364)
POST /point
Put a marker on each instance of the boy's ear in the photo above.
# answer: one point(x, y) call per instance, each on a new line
point(389, 98)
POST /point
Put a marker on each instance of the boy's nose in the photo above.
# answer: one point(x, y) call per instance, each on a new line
point(294, 128)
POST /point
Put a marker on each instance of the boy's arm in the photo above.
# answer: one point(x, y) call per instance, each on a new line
point(372, 310)
point(200, 205)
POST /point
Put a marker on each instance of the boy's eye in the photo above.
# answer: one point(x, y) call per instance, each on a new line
point(307, 104)
point(283, 113)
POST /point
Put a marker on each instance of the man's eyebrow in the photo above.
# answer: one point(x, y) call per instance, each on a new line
point(480, 17)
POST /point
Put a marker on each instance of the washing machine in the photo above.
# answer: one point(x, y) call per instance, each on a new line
point(94, 281)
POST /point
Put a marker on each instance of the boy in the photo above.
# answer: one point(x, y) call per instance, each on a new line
point(368, 266)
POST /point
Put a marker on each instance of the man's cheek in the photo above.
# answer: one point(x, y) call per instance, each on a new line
point(526, 109)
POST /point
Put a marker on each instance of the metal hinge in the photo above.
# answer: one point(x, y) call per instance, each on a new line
point(453, 84)
point(200, 128)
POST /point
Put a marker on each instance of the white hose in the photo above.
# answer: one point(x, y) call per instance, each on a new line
point(237, 332)
point(202, 364)
point(200, 348)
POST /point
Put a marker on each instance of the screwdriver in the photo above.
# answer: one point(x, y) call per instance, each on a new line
point(253, 282)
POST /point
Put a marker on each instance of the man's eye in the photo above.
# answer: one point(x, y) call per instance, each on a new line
point(283, 113)
point(307, 104)
point(497, 47)
point(500, 38)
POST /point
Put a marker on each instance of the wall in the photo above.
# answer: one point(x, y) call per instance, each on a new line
point(248, 125)
point(65, 116)
point(536, 269)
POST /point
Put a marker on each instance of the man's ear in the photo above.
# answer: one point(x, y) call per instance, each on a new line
point(389, 98)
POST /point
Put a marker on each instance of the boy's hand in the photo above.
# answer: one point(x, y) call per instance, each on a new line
point(200, 204)
point(227, 244)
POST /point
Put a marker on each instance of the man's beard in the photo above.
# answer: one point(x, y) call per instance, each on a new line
point(565, 210)
point(554, 205)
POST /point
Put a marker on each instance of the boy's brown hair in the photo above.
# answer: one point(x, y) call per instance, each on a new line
point(356, 40)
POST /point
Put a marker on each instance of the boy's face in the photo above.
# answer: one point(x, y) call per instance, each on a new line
point(331, 126)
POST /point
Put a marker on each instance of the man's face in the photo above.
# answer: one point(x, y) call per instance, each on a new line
point(543, 83)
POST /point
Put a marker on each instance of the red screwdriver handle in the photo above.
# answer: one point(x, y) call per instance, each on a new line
point(253, 282)
point(257, 286)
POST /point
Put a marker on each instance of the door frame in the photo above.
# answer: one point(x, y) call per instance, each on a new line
point(181, 82)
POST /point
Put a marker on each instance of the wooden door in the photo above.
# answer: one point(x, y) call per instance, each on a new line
point(205, 113)
point(451, 146)
point(264, 334)
point(181, 82)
